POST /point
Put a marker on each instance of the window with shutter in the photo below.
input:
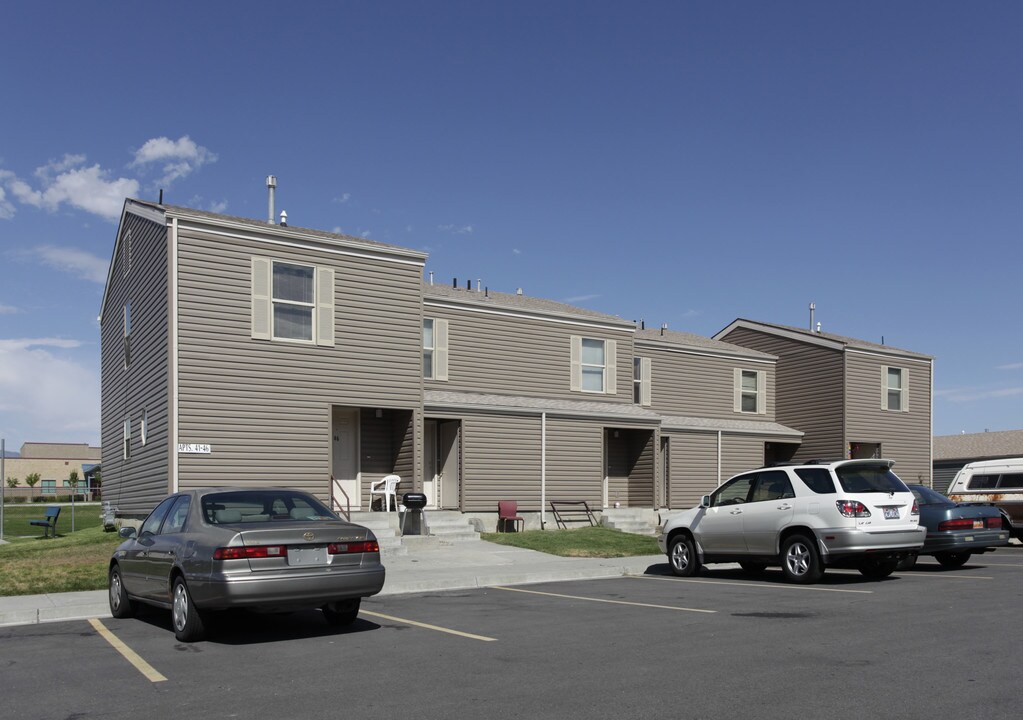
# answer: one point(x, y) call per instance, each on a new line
point(292, 302)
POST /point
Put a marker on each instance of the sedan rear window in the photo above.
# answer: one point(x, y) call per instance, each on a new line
point(262, 506)
point(869, 478)
point(926, 496)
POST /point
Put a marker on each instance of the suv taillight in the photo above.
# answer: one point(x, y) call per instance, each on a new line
point(915, 512)
point(852, 508)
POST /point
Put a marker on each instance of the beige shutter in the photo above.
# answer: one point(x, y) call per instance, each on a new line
point(761, 392)
point(261, 305)
point(576, 363)
point(440, 349)
point(645, 382)
point(884, 387)
point(904, 405)
point(611, 367)
point(325, 306)
point(737, 390)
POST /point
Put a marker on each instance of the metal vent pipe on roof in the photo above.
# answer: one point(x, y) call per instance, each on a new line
point(812, 308)
point(271, 187)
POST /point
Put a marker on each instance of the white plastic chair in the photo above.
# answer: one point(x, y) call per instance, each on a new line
point(387, 487)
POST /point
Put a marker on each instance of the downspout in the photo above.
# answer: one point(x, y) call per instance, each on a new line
point(543, 468)
point(172, 410)
point(930, 428)
point(719, 457)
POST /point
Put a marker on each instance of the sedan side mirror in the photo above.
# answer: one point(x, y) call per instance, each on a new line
point(705, 501)
point(126, 532)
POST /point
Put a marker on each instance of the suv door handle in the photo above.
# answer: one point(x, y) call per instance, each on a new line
point(735, 512)
point(785, 506)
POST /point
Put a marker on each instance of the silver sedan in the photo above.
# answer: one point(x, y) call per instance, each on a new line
point(268, 549)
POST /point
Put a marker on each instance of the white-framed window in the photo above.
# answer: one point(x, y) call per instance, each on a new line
point(641, 381)
point(894, 389)
point(127, 438)
point(144, 426)
point(593, 365)
point(292, 302)
point(750, 391)
point(435, 349)
point(127, 334)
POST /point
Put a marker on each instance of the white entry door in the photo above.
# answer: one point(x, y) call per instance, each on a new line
point(431, 474)
point(345, 458)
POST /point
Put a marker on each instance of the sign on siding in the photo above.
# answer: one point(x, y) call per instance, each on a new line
point(194, 448)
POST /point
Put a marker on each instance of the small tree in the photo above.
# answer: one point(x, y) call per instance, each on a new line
point(31, 479)
point(72, 480)
point(13, 482)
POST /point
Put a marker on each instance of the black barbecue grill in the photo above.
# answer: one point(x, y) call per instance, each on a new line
point(414, 503)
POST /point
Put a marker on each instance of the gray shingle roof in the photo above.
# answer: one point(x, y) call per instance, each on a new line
point(263, 225)
point(516, 402)
point(979, 446)
point(691, 340)
point(854, 343)
point(519, 302)
point(756, 427)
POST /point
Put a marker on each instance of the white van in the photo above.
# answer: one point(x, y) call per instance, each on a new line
point(994, 481)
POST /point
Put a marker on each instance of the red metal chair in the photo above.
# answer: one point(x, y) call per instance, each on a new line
point(507, 511)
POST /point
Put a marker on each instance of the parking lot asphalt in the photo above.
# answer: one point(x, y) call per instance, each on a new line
point(923, 643)
point(454, 566)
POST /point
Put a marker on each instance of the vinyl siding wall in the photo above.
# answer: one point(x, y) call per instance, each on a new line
point(808, 390)
point(515, 355)
point(500, 461)
point(905, 437)
point(136, 485)
point(265, 406)
point(702, 385)
point(575, 461)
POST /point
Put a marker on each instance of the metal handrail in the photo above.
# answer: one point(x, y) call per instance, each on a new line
point(335, 505)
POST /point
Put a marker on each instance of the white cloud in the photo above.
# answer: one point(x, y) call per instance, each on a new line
point(44, 396)
point(6, 207)
point(967, 395)
point(8, 309)
point(85, 188)
point(344, 198)
point(580, 298)
point(179, 157)
point(456, 229)
point(77, 262)
point(1011, 366)
point(516, 251)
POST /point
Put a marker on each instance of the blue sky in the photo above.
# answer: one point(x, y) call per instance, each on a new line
point(678, 162)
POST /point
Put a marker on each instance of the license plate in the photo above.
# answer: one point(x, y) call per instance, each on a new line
point(307, 555)
point(978, 524)
point(891, 513)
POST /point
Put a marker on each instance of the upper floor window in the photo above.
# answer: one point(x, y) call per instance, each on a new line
point(895, 392)
point(641, 381)
point(435, 349)
point(292, 302)
point(593, 365)
point(127, 438)
point(144, 426)
point(750, 391)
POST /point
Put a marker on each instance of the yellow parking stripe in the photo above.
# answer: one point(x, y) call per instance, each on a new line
point(757, 586)
point(601, 600)
point(130, 655)
point(449, 631)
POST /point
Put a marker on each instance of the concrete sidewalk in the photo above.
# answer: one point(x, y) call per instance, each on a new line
point(454, 566)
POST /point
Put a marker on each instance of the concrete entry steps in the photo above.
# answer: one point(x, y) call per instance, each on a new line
point(445, 527)
point(638, 521)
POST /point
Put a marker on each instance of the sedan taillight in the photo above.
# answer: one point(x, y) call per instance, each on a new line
point(960, 524)
point(250, 552)
point(995, 523)
point(366, 546)
point(852, 508)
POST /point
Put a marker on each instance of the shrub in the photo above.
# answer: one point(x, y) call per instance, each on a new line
point(13, 482)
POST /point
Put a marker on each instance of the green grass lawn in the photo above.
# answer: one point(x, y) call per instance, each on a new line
point(16, 519)
point(579, 542)
point(70, 562)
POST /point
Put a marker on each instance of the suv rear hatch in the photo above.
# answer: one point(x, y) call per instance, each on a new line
point(871, 490)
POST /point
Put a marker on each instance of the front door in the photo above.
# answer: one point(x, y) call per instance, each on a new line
point(346, 488)
point(431, 468)
point(449, 463)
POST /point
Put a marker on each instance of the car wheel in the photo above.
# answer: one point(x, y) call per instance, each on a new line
point(907, 563)
point(752, 568)
point(952, 559)
point(121, 605)
point(186, 618)
point(682, 556)
point(342, 613)
point(876, 569)
point(800, 561)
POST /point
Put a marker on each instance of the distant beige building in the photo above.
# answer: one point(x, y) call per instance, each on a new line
point(54, 463)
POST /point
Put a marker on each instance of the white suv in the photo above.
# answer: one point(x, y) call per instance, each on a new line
point(850, 513)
